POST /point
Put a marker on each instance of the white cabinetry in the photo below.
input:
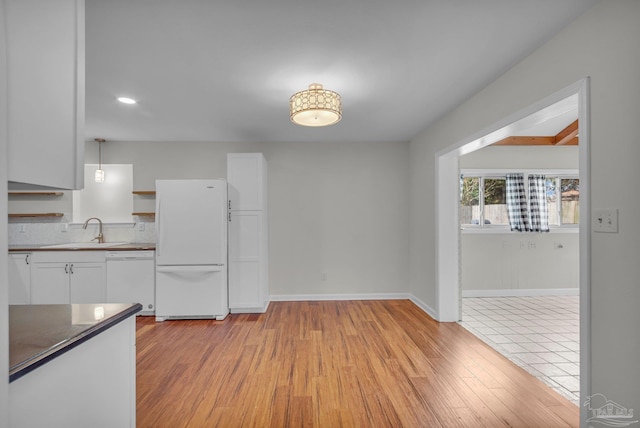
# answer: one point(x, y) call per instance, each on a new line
point(45, 64)
point(248, 233)
point(91, 385)
point(19, 278)
point(68, 277)
point(247, 176)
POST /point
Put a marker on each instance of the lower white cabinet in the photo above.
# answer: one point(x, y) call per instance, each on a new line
point(19, 278)
point(248, 285)
point(68, 277)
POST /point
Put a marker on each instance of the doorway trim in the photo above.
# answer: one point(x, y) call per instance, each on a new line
point(448, 230)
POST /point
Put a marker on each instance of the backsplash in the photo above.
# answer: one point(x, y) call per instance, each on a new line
point(32, 233)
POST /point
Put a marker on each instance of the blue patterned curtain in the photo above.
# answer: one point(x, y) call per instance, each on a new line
point(517, 203)
point(538, 210)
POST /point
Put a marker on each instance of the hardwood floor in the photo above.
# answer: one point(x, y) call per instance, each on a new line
point(333, 364)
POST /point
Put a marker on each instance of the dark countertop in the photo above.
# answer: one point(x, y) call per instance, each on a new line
point(40, 333)
point(135, 246)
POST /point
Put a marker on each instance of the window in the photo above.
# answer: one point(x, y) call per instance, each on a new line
point(483, 201)
point(483, 198)
point(567, 191)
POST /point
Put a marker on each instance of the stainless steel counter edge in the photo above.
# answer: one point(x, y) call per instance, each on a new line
point(27, 366)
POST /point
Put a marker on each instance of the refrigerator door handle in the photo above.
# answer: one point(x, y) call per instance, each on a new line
point(211, 268)
point(159, 228)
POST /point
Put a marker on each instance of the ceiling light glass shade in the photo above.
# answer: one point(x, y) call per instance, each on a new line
point(126, 100)
point(99, 177)
point(315, 106)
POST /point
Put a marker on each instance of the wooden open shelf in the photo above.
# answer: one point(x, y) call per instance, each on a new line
point(140, 214)
point(144, 192)
point(36, 193)
point(35, 215)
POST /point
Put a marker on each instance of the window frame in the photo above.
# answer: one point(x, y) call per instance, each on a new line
point(557, 174)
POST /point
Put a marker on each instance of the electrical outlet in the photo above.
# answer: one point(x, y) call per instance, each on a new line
point(605, 220)
point(141, 227)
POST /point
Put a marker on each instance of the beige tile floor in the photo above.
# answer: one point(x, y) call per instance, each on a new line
point(540, 334)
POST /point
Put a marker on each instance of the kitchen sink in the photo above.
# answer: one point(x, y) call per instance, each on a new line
point(83, 245)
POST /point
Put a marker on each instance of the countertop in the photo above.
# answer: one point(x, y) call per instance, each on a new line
point(134, 246)
point(40, 333)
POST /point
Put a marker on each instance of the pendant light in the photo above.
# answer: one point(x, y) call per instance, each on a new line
point(315, 106)
point(99, 175)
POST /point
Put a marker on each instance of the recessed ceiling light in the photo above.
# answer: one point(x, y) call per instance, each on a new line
point(126, 100)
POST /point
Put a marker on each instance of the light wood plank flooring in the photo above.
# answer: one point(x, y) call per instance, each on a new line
point(333, 364)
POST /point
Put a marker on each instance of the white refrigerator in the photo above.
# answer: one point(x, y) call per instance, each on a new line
point(191, 249)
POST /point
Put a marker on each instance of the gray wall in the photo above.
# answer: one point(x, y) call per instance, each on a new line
point(334, 209)
point(602, 44)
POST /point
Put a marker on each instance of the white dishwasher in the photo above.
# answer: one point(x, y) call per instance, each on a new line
point(131, 279)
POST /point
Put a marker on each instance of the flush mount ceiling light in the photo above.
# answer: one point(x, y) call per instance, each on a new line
point(99, 176)
point(315, 106)
point(126, 100)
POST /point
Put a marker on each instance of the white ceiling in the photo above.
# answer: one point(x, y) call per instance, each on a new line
point(223, 70)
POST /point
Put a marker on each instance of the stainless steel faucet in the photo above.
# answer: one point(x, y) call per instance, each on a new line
point(100, 237)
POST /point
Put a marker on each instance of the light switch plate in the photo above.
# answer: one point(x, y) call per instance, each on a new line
point(605, 220)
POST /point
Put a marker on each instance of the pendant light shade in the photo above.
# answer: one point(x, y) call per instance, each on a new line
point(315, 106)
point(99, 175)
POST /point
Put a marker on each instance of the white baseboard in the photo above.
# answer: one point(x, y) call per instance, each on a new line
point(518, 292)
point(320, 297)
point(428, 309)
point(255, 310)
point(376, 296)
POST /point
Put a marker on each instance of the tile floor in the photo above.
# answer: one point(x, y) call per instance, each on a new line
point(540, 334)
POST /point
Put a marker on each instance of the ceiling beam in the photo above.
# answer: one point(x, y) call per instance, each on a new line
point(526, 141)
point(568, 136)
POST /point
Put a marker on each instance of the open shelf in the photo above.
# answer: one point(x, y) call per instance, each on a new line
point(20, 215)
point(144, 192)
point(36, 193)
point(140, 214)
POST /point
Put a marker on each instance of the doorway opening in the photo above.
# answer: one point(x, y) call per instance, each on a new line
point(448, 235)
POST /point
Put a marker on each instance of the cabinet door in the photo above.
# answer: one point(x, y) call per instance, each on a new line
point(45, 63)
point(50, 283)
point(87, 283)
point(244, 260)
point(19, 279)
point(246, 174)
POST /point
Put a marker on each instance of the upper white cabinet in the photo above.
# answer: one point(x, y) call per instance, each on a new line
point(45, 64)
point(247, 176)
